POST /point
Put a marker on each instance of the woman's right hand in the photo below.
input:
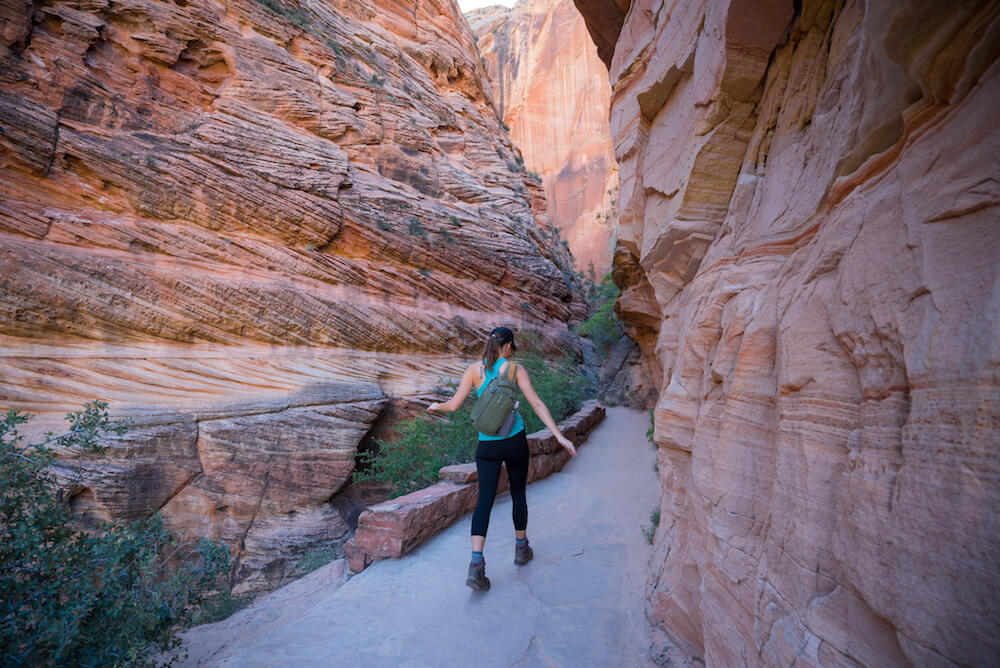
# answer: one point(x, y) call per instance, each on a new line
point(566, 443)
point(433, 408)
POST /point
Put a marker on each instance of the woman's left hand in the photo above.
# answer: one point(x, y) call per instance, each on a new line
point(566, 443)
point(433, 408)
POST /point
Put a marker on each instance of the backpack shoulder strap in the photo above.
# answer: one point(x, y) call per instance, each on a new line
point(512, 369)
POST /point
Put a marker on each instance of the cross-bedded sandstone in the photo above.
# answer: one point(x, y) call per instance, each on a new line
point(247, 224)
point(808, 249)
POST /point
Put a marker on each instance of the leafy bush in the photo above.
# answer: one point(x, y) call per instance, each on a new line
point(603, 327)
point(103, 598)
point(424, 444)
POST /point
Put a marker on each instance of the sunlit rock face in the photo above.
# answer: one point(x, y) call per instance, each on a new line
point(248, 225)
point(809, 248)
point(553, 93)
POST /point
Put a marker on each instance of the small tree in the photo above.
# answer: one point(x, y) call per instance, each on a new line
point(103, 598)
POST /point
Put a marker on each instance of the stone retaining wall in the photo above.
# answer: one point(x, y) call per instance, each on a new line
point(397, 526)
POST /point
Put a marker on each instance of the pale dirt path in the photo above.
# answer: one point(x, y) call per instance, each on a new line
point(579, 603)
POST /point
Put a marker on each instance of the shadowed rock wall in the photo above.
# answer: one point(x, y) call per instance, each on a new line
point(809, 249)
point(247, 225)
point(553, 92)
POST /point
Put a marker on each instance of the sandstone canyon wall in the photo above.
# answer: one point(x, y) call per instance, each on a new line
point(810, 250)
point(553, 93)
point(248, 225)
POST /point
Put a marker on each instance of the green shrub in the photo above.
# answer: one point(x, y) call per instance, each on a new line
point(650, 532)
point(317, 558)
point(603, 327)
point(104, 598)
point(416, 228)
point(289, 15)
point(424, 444)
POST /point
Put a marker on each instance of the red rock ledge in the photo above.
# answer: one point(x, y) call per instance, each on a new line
point(397, 526)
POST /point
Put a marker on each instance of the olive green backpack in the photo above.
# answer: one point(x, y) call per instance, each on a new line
point(495, 411)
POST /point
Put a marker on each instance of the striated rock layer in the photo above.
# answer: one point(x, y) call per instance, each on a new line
point(248, 225)
point(809, 251)
point(553, 93)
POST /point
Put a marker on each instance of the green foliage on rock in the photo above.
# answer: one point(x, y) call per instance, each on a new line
point(603, 327)
point(108, 597)
point(649, 533)
point(424, 444)
point(318, 558)
point(289, 15)
point(416, 228)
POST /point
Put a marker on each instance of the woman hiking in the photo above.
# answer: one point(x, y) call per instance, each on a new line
point(492, 451)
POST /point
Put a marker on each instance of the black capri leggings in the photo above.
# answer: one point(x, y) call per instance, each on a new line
point(490, 455)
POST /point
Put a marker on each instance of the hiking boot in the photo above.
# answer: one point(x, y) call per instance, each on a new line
point(522, 555)
point(477, 579)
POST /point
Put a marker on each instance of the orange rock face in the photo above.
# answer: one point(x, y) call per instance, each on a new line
point(247, 225)
point(553, 93)
point(809, 249)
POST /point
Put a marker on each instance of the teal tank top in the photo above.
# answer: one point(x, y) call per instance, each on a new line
point(490, 375)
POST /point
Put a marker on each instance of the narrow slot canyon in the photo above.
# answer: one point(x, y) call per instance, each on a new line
point(750, 250)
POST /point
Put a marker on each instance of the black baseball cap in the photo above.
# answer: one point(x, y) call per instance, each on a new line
point(504, 335)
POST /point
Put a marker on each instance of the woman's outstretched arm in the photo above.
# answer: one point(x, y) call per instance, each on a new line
point(541, 410)
point(464, 387)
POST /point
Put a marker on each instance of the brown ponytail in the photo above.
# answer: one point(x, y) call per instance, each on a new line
point(492, 351)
